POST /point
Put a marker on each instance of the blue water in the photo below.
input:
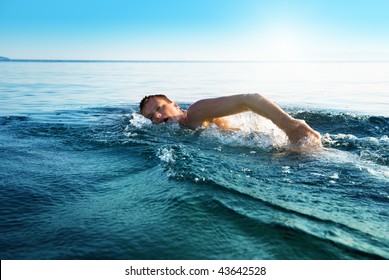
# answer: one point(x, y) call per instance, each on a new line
point(84, 176)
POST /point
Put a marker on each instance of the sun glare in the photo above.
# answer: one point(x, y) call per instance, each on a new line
point(284, 43)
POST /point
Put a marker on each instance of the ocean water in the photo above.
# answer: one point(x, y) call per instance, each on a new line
point(84, 176)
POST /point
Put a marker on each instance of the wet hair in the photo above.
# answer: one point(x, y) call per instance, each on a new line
point(148, 97)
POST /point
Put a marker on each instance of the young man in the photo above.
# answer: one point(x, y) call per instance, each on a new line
point(160, 109)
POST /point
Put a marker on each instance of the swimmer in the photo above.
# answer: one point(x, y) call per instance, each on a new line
point(160, 109)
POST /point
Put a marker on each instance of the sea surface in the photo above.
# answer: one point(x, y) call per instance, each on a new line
point(84, 176)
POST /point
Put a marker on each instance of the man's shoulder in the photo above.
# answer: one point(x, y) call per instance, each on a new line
point(197, 113)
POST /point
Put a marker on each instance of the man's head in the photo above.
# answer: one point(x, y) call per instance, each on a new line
point(160, 109)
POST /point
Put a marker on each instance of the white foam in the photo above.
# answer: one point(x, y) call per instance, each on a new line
point(166, 155)
point(127, 132)
point(381, 172)
point(384, 138)
point(139, 121)
point(286, 169)
point(334, 176)
point(251, 131)
point(358, 161)
point(344, 139)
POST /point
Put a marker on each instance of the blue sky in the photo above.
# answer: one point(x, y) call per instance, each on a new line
point(195, 29)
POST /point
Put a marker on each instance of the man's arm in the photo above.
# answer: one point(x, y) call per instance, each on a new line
point(206, 110)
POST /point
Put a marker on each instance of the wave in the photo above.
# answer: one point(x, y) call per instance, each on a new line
point(345, 123)
point(336, 195)
point(314, 231)
point(307, 185)
point(300, 198)
point(364, 136)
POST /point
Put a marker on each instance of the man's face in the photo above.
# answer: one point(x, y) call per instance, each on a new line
point(160, 110)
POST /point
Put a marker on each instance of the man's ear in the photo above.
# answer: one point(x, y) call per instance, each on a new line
point(176, 105)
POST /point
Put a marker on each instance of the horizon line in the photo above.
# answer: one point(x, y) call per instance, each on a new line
point(6, 59)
